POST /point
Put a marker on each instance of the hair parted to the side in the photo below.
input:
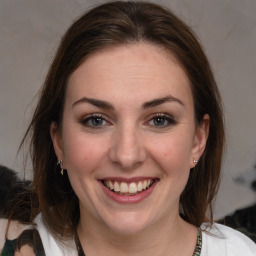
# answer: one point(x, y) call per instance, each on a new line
point(108, 25)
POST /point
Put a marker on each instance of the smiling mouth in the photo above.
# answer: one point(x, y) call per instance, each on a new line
point(128, 189)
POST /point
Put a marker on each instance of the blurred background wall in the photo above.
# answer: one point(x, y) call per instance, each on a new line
point(29, 34)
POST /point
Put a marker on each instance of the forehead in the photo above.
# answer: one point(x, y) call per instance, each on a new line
point(135, 71)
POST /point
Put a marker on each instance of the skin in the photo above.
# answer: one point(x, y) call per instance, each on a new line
point(130, 142)
point(25, 250)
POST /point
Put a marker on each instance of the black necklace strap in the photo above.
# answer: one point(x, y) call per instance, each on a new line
point(79, 247)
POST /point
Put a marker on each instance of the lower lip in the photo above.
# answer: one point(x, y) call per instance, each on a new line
point(129, 199)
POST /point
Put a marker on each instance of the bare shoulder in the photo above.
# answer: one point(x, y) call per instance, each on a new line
point(3, 225)
point(14, 230)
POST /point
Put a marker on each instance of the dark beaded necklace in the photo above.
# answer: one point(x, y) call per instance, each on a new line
point(198, 248)
point(79, 246)
point(197, 251)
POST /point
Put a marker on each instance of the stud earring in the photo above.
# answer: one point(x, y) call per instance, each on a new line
point(61, 167)
point(195, 161)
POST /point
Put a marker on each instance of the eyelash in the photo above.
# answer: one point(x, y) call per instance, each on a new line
point(87, 121)
point(94, 117)
point(163, 117)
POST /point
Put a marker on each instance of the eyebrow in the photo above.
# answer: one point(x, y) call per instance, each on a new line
point(149, 104)
point(95, 102)
point(157, 102)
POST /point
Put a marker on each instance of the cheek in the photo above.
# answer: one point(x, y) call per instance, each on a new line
point(172, 156)
point(82, 159)
point(172, 152)
point(82, 154)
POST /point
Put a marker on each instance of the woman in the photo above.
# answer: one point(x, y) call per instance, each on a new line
point(131, 114)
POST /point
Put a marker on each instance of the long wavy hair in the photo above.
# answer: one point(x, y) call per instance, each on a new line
point(108, 25)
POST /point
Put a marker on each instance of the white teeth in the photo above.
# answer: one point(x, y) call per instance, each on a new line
point(110, 185)
point(124, 188)
point(144, 184)
point(116, 187)
point(131, 188)
point(139, 187)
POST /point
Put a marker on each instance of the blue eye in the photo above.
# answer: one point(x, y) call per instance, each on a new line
point(161, 121)
point(94, 121)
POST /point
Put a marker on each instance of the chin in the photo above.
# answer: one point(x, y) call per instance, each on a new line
point(128, 223)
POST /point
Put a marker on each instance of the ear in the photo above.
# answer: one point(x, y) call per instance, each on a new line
point(200, 139)
point(56, 141)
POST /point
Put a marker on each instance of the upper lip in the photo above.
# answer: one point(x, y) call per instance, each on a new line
point(129, 180)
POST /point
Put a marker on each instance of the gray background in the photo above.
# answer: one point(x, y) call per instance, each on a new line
point(29, 34)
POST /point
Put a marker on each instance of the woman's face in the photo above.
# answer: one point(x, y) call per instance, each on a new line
point(128, 136)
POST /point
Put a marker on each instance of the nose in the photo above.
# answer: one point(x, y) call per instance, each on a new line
point(127, 149)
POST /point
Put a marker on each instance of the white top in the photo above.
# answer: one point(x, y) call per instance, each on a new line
point(51, 247)
point(225, 241)
point(217, 241)
point(220, 241)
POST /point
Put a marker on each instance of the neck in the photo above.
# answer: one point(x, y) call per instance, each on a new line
point(159, 239)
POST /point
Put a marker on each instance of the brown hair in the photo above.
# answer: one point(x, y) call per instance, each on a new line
point(108, 25)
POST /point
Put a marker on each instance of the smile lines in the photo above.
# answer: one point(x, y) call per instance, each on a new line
point(124, 188)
